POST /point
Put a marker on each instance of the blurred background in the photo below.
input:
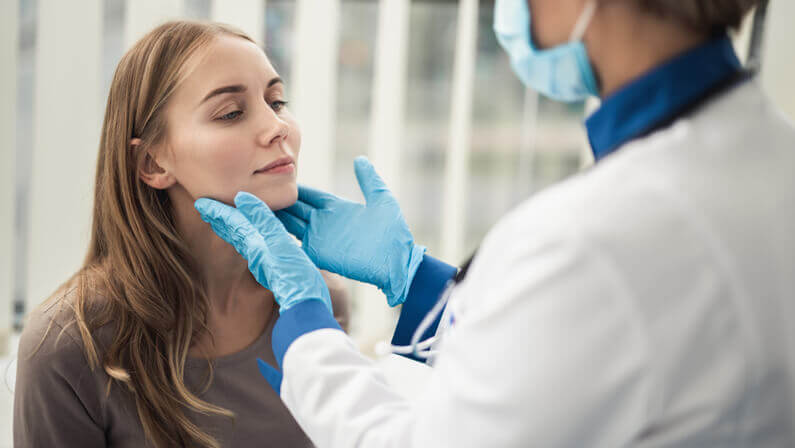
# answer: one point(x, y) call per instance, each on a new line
point(420, 86)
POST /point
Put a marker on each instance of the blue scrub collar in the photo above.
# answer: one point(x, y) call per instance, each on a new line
point(661, 95)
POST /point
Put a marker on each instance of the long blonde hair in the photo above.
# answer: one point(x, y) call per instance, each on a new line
point(137, 261)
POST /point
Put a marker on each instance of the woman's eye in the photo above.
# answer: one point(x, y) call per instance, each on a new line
point(231, 115)
point(278, 105)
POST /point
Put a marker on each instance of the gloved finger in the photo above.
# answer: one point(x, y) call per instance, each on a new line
point(301, 210)
point(293, 224)
point(259, 214)
point(313, 197)
point(211, 208)
point(226, 221)
point(372, 186)
point(273, 376)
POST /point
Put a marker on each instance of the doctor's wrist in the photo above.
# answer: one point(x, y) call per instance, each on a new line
point(397, 295)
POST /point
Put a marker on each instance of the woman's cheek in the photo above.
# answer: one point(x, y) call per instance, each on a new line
point(228, 170)
point(214, 168)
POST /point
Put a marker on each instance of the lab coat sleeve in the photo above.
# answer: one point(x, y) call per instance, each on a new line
point(425, 290)
point(546, 352)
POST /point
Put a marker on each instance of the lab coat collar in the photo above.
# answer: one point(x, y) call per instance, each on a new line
point(661, 95)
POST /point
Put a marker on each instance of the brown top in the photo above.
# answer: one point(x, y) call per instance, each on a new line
point(60, 402)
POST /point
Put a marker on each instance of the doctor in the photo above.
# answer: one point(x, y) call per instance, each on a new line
point(646, 302)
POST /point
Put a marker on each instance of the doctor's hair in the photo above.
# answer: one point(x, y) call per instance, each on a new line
point(707, 16)
point(138, 275)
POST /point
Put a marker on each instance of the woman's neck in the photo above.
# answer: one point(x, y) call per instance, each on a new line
point(239, 307)
point(624, 43)
point(224, 271)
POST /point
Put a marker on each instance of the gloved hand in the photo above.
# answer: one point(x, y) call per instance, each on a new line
point(276, 261)
point(370, 243)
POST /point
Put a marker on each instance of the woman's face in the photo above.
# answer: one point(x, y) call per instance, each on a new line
point(229, 130)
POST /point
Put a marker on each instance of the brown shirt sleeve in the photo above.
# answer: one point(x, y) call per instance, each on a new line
point(56, 401)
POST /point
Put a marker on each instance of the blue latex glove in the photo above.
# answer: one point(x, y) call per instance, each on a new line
point(369, 243)
point(276, 261)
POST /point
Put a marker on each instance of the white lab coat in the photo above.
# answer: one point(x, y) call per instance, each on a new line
point(649, 301)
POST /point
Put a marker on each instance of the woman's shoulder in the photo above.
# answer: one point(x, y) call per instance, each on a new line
point(51, 333)
point(54, 375)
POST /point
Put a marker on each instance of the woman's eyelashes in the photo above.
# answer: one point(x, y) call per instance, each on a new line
point(230, 116)
point(230, 111)
point(276, 105)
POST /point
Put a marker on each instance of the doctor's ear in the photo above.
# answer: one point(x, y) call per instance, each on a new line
point(150, 172)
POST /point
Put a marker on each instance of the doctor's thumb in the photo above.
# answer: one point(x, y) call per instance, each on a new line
point(372, 186)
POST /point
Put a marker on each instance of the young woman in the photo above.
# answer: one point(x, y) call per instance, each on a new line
point(154, 341)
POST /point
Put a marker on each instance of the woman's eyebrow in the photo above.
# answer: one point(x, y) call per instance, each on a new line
point(237, 88)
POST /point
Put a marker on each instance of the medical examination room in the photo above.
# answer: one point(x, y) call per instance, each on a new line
point(397, 223)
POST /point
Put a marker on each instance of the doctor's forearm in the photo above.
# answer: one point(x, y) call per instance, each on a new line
point(341, 398)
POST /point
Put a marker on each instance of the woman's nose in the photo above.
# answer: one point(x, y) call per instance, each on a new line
point(273, 129)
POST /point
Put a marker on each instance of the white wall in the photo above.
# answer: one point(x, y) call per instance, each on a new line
point(67, 111)
point(143, 15)
point(460, 133)
point(389, 90)
point(778, 68)
point(313, 86)
point(248, 15)
point(9, 16)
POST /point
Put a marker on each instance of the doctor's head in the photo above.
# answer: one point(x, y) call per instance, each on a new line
point(625, 38)
point(554, 20)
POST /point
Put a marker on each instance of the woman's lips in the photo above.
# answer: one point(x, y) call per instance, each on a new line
point(279, 166)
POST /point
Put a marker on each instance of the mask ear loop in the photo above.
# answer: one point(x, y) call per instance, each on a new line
point(582, 23)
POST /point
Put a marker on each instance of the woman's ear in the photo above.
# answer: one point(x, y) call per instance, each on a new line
point(150, 172)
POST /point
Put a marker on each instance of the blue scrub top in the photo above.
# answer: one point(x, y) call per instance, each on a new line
point(662, 95)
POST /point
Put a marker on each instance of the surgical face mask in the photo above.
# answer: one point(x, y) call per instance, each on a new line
point(562, 73)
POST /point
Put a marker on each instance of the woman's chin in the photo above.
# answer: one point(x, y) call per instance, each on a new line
point(279, 198)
